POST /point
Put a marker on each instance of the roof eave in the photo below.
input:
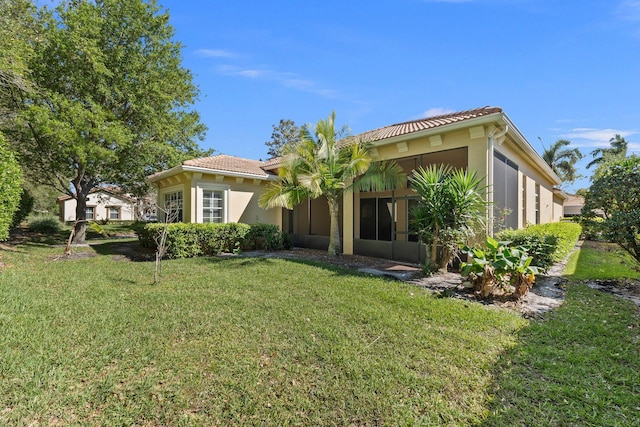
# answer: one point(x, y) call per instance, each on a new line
point(528, 149)
point(185, 168)
point(475, 121)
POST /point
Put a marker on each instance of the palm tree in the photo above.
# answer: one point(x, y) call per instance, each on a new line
point(321, 165)
point(450, 210)
point(563, 161)
point(617, 150)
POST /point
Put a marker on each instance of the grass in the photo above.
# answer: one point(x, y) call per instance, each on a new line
point(599, 260)
point(275, 342)
point(226, 341)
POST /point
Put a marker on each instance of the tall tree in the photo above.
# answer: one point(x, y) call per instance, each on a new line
point(563, 160)
point(320, 165)
point(615, 192)
point(283, 138)
point(113, 102)
point(617, 151)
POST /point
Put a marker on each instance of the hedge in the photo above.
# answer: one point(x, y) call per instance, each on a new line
point(192, 240)
point(546, 243)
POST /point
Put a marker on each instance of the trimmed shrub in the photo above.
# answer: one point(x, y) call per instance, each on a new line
point(10, 187)
point(191, 240)
point(545, 243)
point(266, 237)
point(45, 224)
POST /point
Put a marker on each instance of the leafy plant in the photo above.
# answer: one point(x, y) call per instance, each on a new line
point(451, 208)
point(320, 165)
point(500, 268)
point(616, 193)
point(45, 225)
point(10, 187)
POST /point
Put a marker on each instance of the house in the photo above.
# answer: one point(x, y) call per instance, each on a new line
point(573, 205)
point(520, 185)
point(103, 203)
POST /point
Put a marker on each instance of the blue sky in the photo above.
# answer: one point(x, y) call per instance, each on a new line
point(559, 68)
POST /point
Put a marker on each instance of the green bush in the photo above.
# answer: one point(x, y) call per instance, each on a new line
point(10, 187)
point(45, 224)
point(546, 243)
point(266, 237)
point(24, 207)
point(191, 240)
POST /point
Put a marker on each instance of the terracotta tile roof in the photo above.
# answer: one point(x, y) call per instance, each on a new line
point(223, 162)
point(111, 189)
point(574, 200)
point(412, 126)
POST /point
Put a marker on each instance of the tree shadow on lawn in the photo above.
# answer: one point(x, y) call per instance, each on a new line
point(128, 250)
point(268, 257)
point(576, 366)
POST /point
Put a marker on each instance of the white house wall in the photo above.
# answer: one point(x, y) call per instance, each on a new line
point(100, 202)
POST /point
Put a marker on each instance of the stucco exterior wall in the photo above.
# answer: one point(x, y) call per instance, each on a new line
point(240, 197)
point(100, 202)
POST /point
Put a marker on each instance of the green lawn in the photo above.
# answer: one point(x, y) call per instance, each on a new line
point(266, 341)
point(599, 260)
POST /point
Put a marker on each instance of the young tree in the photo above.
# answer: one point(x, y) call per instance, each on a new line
point(283, 138)
point(615, 191)
point(113, 101)
point(10, 187)
point(617, 151)
point(450, 210)
point(321, 165)
point(563, 161)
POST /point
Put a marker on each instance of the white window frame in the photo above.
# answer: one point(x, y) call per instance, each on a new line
point(169, 190)
point(200, 189)
point(93, 212)
point(117, 210)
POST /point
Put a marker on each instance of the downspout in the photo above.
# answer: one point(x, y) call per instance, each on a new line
point(491, 139)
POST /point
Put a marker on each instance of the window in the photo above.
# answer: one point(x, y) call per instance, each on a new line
point(173, 206)
point(505, 192)
point(537, 203)
point(213, 206)
point(89, 212)
point(114, 212)
point(376, 218)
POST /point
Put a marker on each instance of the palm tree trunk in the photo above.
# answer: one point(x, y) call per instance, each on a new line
point(334, 234)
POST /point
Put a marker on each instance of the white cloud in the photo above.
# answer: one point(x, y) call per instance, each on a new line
point(592, 138)
point(437, 111)
point(629, 10)
point(284, 79)
point(215, 53)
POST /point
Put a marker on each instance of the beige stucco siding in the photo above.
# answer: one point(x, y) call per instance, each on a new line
point(100, 202)
point(240, 197)
point(527, 167)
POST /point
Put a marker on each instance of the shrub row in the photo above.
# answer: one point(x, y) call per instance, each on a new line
point(546, 243)
point(191, 240)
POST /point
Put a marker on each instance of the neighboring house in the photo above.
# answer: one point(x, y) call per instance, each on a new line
point(520, 185)
point(104, 203)
point(573, 205)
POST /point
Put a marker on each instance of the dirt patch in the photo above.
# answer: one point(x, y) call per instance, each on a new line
point(628, 289)
point(72, 256)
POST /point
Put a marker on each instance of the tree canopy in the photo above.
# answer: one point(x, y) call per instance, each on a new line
point(563, 160)
point(285, 135)
point(617, 151)
point(615, 192)
point(113, 102)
